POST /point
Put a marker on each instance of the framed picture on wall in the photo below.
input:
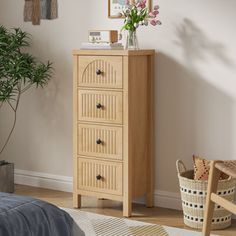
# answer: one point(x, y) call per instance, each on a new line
point(115, 7)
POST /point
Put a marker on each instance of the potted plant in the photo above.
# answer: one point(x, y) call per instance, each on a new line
point(19, 71)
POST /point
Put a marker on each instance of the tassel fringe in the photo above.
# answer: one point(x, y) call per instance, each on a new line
point(35, 10)
point(54, 9)
point(28, 10)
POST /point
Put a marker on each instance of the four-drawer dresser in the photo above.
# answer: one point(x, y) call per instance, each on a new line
point(113, 125)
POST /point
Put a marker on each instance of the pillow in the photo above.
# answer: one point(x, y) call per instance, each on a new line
point(202, 169)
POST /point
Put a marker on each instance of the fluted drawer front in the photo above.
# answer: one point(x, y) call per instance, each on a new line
point(100, 106)
point(100, 141)
point(100, 71)
point(100, 176)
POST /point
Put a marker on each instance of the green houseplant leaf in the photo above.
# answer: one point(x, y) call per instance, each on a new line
point(19, 71)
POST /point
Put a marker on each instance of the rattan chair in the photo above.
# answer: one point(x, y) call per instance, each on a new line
point(217, 167)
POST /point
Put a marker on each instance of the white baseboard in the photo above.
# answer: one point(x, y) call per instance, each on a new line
point(64, 183)
point(167, 199)
point(163, 199)
point(42, 180)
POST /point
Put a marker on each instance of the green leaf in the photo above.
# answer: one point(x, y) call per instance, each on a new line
point(18, 69)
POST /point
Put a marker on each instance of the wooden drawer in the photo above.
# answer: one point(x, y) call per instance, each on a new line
point(100, 141)
point(100, 176)
point(100, 71)
point(100, 106)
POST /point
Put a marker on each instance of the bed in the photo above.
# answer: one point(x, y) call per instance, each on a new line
point(25, 216)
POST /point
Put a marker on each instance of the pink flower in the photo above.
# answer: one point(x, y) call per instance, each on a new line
point(156, 7)
point(153, 22)
point(142, 4)
point(153, 14)
point(127, 2)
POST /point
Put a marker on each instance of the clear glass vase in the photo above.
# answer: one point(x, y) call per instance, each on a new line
point(132, 40)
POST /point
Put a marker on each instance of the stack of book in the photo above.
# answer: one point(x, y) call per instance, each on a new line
point(102, 46)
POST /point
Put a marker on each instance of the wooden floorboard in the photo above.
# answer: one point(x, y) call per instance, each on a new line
point(154, 215)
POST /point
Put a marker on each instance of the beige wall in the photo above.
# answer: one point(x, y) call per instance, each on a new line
point(195, 84)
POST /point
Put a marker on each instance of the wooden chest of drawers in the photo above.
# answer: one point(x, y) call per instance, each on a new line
point(113, 125)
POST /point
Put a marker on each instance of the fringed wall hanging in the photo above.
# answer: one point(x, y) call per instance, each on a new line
point(35, 10)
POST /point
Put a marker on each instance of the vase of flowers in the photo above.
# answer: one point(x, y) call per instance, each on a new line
point(136, 14)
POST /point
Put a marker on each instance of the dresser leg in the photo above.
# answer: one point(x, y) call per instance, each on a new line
point(76, 200)
point(149, 199)
point(127, 208)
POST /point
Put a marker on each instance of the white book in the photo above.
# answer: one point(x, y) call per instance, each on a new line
point(111, 46)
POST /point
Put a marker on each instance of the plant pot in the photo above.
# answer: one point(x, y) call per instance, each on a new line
point(6, 177)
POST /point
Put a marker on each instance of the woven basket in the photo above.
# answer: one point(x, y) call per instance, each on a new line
point(193, 195)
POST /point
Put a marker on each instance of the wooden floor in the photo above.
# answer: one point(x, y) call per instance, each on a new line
point(151, 215)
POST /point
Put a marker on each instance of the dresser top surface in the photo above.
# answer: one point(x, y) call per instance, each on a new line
point(115, 52)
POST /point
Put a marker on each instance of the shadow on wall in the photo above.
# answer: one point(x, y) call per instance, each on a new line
point(196, 45)
point(192, 115)
point(44, 120)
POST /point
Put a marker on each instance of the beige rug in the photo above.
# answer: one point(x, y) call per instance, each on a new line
point(100, 225)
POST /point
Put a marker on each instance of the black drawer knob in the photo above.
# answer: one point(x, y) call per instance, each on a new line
point(99, 141)
point(99, 106)
point(98, 72)
point(98, 177)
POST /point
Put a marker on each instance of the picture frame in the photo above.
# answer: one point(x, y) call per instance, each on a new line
point(116, 6)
